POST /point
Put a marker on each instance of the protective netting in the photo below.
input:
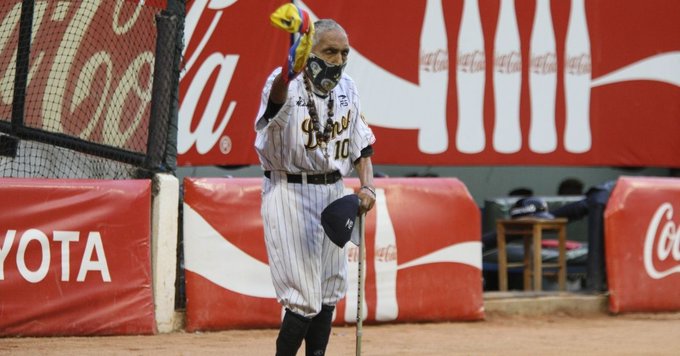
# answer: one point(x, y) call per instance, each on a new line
point(87, 88)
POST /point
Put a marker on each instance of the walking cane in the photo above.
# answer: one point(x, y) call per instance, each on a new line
point(360, 292)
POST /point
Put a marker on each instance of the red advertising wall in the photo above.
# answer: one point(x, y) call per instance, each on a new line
point(75, 257)
point(642, 243)
point(91, 68)
point(537, 82)
point(423, 255)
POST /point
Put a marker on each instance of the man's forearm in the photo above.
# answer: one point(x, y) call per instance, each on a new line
point(364, 169)
point(366, 193)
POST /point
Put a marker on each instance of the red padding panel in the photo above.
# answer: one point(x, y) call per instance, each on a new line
point(642, 243)
point(423, 255)
point(75, 257)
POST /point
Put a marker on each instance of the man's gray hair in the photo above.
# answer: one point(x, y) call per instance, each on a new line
point(324, 25)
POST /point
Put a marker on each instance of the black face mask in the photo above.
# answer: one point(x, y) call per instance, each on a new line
point(324, 76)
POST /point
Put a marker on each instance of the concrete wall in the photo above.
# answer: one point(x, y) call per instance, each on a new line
point(164, 232)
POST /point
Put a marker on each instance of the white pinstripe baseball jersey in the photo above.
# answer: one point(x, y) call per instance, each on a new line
point(286, 143)
point(307, 269)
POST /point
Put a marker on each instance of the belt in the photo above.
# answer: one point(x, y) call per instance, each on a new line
point(324, 178)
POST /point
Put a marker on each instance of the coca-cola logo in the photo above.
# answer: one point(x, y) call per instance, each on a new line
point(471, 62)
point(662, 244)
point(82, 82)
point(435, 61)
point(386, 253)
point(509, 62)
point(200, 123)
point(578, 65)
point(544, 63)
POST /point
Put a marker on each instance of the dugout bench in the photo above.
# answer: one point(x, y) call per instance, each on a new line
point(520, 270)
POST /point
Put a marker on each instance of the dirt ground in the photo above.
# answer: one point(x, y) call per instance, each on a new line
point(629, 334)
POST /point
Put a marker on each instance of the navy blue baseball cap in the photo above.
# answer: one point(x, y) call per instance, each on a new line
point(338, 219)
point(531, 207)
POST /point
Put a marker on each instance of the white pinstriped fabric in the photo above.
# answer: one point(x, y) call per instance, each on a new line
point(283, 145)
point(308, 270)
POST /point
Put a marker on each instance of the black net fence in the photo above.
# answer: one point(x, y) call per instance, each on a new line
point(88, 89)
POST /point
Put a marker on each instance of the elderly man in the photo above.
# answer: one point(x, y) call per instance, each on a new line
point(310, 133)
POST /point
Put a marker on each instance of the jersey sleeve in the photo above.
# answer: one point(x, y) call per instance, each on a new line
point(280, 119)
point(362, 135)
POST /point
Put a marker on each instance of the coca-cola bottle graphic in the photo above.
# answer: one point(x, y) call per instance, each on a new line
point(470, 81)
point(433, 74)
point(422, 105)
point(542, 81)
point(386, 307)
point(577, 78)
point(507, 81)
